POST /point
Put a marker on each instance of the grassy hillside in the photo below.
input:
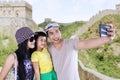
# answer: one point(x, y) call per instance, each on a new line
point(68, 30)
point(105, 59)
point(7, 46)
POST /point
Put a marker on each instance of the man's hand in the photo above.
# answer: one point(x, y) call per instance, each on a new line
point(96, 42)
point(111, 32)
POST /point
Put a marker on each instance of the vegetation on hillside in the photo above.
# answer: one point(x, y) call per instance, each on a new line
point(42, 25)
point(7, 46)
point(69, 30)
point(106, 58)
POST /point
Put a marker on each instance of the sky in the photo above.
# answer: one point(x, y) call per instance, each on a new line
point(66, 11)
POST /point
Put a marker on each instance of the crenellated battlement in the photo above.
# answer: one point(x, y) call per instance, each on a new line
point(16, 13)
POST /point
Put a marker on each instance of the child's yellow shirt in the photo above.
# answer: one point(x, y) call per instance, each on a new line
point(44, 60)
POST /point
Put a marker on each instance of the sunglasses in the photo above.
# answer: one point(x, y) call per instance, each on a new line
point(31, 39)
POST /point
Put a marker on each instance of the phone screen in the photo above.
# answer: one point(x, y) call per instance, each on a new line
point(103, 30)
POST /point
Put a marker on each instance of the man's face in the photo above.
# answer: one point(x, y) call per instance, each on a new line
point(54, 35)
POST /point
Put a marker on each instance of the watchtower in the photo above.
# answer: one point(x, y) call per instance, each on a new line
point(15, 13)
point(118, 7)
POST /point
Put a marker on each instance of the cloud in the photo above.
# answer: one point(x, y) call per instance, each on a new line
point(98, 2)
point(68, 10)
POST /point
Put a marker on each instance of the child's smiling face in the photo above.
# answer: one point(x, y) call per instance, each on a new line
point(41, 42)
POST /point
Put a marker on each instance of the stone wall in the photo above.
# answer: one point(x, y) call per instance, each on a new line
point(11, 9)
point(89, 74)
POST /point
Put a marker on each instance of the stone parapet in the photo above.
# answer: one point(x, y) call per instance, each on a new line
point(89, 74)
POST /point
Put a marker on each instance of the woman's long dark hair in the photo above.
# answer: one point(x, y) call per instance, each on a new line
point(21, 53)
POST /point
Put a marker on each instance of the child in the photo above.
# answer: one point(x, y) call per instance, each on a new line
point(41, 59)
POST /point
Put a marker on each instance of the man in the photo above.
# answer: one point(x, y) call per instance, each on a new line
point(64, 51)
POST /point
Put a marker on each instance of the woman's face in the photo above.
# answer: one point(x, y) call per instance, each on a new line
point(31, 42)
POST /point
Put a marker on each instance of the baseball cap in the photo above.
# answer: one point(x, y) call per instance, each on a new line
point(51, 25)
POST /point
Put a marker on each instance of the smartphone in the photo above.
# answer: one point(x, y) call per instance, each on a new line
point(103, 30)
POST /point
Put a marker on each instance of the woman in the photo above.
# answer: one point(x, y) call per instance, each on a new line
point(19, 60)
